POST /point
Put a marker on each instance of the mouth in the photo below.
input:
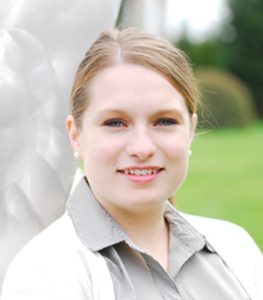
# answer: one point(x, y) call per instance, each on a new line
point(141, 171)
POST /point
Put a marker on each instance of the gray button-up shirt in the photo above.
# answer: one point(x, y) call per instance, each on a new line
point(195, 270)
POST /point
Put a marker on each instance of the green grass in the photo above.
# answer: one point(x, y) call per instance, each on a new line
point(225, 178)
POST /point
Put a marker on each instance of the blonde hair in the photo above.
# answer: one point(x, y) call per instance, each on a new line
point(129, 45)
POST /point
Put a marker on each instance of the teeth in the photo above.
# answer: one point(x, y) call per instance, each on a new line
point(140, 172)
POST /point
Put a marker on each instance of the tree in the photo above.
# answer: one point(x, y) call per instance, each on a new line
point(245, 53)
point(207, 53)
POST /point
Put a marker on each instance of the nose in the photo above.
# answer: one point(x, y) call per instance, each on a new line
point(141, 145)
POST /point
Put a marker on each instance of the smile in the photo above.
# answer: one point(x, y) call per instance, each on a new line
point(141, 174)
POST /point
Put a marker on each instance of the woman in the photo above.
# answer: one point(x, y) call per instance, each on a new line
point(132, 124)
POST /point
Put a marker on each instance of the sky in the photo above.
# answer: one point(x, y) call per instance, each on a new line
point(202, 17)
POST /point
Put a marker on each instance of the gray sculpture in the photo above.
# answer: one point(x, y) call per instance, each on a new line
point(41, 44)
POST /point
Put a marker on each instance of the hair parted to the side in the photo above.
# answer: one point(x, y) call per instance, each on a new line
point(132, 46)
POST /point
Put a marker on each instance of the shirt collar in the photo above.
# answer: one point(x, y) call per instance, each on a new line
point(98, 230)
point(93, 224)
point(182, 230)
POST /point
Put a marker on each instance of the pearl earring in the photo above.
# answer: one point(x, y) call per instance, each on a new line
point(190, 152)
point(77, 155)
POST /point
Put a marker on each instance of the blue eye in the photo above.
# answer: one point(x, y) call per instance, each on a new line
point(166, 122)
point(114, 123)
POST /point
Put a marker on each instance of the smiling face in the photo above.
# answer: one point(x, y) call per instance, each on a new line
point(134, 138)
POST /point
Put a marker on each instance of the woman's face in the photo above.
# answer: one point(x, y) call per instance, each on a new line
point(135, 137)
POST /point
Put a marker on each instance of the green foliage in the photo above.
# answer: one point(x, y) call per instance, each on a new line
point(225, 178)
point(245, 53)
point(226, 100)
point(208, 53)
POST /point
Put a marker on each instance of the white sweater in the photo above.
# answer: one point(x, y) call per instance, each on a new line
point(78, 273)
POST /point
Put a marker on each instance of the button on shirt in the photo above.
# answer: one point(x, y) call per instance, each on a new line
point(195, 270)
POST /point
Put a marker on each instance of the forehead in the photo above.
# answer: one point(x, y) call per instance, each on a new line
point(130, 75)
point(134, 86)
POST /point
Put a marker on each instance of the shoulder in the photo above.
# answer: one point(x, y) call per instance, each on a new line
point(236, 247)
point(54, 265)
point(55, 243)
point(223, 232)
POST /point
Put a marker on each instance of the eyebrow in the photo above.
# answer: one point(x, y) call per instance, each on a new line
point(168, 111)
point(105, 112)
point(158, 112)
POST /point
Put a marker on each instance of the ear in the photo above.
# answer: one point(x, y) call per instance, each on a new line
point(73, 133)
point(193, 124)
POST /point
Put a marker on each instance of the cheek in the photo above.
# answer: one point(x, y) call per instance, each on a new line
point(175, 148)
point(100, 153)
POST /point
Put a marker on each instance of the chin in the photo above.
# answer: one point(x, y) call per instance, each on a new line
point(146, 198)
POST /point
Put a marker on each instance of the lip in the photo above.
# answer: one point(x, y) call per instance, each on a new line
point(143, 177)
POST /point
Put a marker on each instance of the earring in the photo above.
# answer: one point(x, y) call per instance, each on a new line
point(190, 152)
point(77, 155)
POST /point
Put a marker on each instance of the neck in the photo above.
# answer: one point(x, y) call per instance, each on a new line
point(139, 220)
point(148, 230)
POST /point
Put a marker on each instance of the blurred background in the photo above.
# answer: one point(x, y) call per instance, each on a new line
point(224, 41)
